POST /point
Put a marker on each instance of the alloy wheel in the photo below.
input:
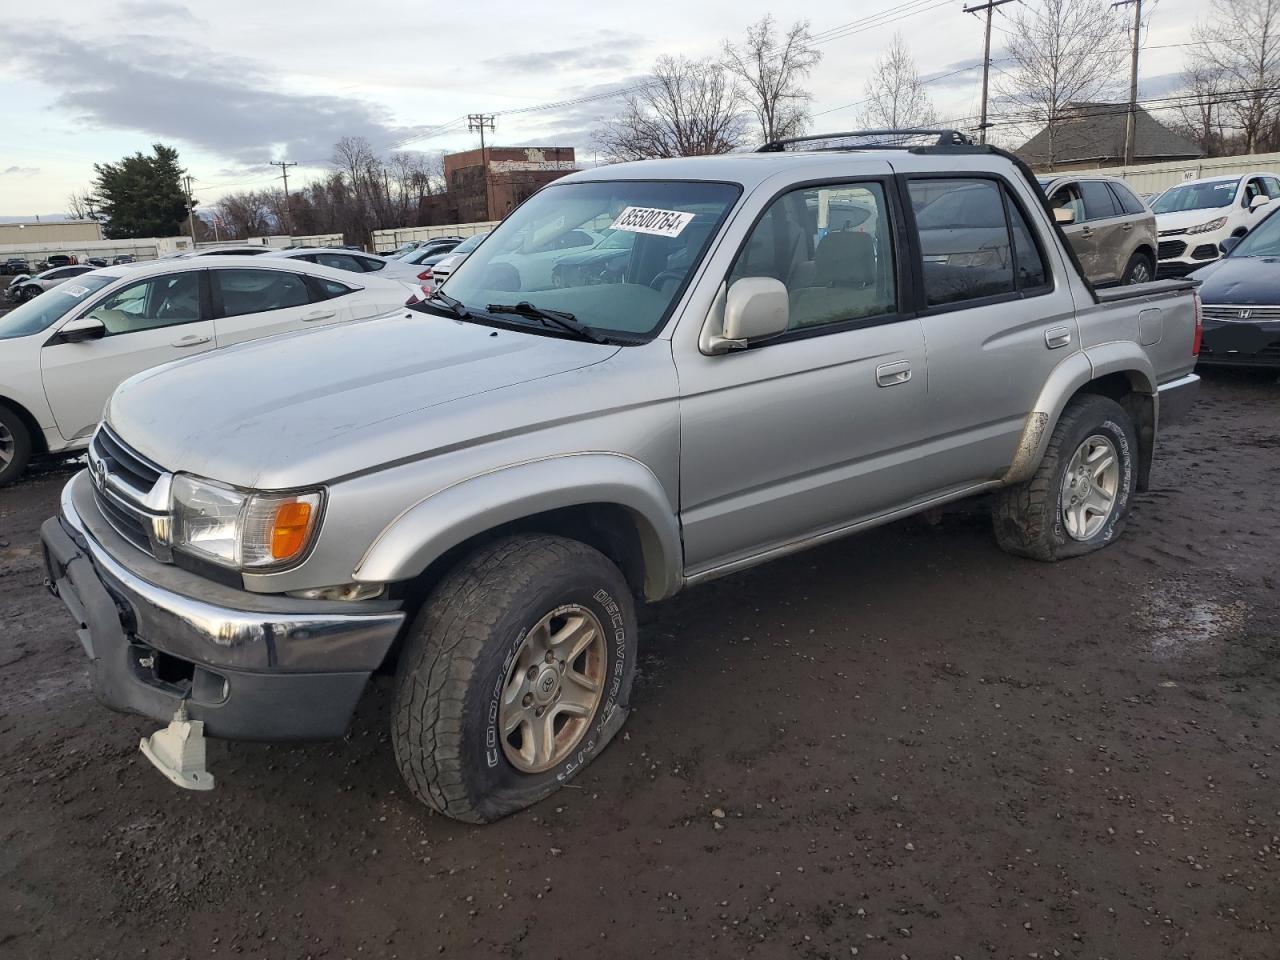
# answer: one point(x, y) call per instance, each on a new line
point(1090, 487)
point(8, 447)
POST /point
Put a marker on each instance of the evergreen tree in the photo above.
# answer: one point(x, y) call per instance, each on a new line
point(141, 196)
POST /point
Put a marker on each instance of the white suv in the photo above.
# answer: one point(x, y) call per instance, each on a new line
point(1194, 217)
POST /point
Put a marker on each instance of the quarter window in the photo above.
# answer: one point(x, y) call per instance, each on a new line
point(258, 291)
point(831, 247)
point(158, 302)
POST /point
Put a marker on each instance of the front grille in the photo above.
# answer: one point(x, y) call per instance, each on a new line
point(1244, 313)
point(127, 488)
point(139, 472)
point(1172, 248)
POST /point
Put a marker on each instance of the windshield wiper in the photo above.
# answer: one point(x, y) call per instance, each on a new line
point(556, 318)
point(456, 307)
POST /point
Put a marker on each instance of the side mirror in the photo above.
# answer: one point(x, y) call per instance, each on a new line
point(754, 308)
point(1261, 200)
point(81, 329)
point(1064, 215)
point(1229, 244)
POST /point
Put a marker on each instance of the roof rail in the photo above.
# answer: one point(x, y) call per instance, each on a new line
point(945, 138)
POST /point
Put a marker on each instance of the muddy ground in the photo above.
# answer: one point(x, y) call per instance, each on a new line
point(923, 748)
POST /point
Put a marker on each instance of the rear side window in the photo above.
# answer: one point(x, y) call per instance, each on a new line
point(328, 289)
point(1272, 185)
point(1027, 259)
point(258, 291)
point(368, 264)
point(1128, 202)
point(1098, 202)
point(964, 240)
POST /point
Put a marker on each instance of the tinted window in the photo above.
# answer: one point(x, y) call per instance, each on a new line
point(831, 247)
point(966, 252)
point(257, 291)
point(1098, 202)
point(331, 288)
point(1128, 201)
point(369, 264)
point(1031, 270)
point(339, 261)
point(157, 302)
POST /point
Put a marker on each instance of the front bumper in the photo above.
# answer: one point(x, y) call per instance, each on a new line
point(250, 666)
point(1241, 343)
point(1193, 252)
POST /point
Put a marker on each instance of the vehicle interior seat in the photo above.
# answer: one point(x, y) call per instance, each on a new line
point(843, 282)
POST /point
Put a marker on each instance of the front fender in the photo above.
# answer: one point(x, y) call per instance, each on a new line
point(473, 506)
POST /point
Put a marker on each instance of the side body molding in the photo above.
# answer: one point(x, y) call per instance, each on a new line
point(470, 507)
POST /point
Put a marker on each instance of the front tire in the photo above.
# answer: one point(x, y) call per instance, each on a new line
point(516, 674)
point(15, 446)
point(28, 294)
point(1079, 497)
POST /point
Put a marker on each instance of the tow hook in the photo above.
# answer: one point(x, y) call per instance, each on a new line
point(178, 751)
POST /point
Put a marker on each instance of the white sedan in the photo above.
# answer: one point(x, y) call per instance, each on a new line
point(353, 261)
point(63, 353)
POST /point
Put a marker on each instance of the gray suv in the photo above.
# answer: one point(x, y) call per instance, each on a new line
point(474, 494)
point(1111, 230)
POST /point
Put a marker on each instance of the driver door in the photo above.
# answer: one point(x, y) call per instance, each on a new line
point(145, 324)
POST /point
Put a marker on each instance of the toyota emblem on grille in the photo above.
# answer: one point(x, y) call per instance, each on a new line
point(1244, 314)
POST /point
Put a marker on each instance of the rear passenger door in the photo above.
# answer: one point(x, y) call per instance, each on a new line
point(1105, 227)
point(1079, 233)
point(995, 322)
point(250, 302)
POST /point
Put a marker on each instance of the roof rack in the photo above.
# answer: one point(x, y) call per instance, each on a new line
point(944, 138)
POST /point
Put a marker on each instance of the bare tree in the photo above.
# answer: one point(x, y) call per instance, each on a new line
point(1064, 52)
point(771, 67)
point(895, 97)
point(81, 205)
point(689, 108)
point(1200, 111)
point(1240, 41)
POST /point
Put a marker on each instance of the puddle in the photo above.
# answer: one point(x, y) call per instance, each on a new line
point(1180, 626)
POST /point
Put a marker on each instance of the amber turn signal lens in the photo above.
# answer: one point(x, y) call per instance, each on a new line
point(289, 531)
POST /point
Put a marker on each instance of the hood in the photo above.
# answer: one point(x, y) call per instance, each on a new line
point(307, 407)
point(1254, 280)
point(1184, 219)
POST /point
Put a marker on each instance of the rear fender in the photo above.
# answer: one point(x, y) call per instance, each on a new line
point(482, 503)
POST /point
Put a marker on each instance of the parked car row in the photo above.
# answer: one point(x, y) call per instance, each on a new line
point(648, 376)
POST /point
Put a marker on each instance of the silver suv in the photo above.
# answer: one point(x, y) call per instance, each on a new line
point(1112, 232)
point(475, 494)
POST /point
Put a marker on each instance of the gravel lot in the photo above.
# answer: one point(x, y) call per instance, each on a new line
point(902, 745)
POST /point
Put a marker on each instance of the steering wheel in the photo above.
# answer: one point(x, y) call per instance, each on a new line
point(657, 282)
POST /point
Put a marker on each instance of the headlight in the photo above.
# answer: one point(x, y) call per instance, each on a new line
point(238, 529)
point(1211, 225)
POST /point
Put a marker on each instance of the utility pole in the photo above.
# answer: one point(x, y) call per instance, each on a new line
point(989, 6)
point(284, 173)
point(191, 212)
point(1131, 121)
point(481, 122)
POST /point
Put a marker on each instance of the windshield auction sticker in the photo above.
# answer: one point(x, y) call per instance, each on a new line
point(660, 223)
point(74, 290)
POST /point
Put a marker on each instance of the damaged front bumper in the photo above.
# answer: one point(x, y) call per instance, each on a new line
point(250, 666)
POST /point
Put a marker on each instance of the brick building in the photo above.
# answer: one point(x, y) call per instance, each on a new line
point(476, 192)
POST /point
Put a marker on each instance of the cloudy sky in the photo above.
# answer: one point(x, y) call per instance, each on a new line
point(234, 84)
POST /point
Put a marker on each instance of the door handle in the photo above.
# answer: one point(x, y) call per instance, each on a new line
point(1086, 231)
point(1056, 337)
point(1126, 226)
point(320, 315)
point(191, 341)
point(890, 374)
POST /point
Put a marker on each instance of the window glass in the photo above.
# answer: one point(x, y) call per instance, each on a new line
point(1068, 197)
point(1129, 203)
point(339, 261)
point(369, 264)
point(257, 291)
point(1272, 186)
point(1031, 271)
point(831, 247)
point(158, 302)
point(39, 314)
point(964, 239)
point(331, 288)
point(1205, 195)
point(1098, 202)
point(1252, 189)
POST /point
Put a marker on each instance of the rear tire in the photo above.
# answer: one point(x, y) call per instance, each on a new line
point(481, 659)
point(15, 446)
point(1140, 269)
point(1058, 512)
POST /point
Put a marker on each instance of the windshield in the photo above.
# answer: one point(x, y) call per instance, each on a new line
point(469, 244)
point(671, 224)
point(1262, 241)
point(1196, 196)
point(40, 313)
